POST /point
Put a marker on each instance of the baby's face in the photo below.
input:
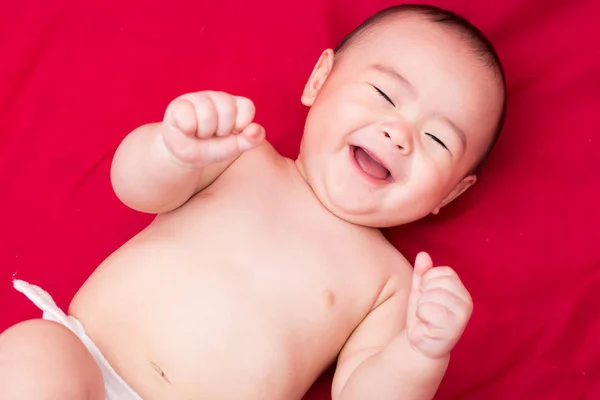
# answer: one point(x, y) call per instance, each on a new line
point(397, 124)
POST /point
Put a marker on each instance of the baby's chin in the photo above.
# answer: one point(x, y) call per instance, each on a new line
point(375, 220)
point(350, 200)
point(356, 211)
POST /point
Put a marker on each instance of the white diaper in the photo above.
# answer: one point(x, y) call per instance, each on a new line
point(115, 386)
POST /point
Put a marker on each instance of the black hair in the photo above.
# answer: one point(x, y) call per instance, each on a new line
point(479, 42)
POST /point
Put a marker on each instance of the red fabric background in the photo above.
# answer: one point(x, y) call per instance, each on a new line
point(76, 76)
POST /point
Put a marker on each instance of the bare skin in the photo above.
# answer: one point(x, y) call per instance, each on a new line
point(220, 282)
point(260, 271)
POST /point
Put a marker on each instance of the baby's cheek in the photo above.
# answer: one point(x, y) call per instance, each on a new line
point(439, 178)
point(429, 181)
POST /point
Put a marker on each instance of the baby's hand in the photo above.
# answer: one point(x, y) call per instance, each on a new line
point(208, 127)
point(439, 308)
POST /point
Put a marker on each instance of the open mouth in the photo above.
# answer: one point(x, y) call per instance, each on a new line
point(369, 164)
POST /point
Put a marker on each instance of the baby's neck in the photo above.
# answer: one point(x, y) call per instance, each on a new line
point(301, 171)
point(300, 168)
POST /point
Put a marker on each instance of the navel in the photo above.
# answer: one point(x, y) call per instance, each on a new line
point(159, 371)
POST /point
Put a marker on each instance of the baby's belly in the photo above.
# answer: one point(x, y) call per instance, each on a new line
point(177, 325)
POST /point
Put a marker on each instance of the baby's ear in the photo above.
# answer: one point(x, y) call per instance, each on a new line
point(459, 189)
point(317, 78)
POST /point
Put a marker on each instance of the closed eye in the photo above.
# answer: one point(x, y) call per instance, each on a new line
point(385, 96)
point(436, 139)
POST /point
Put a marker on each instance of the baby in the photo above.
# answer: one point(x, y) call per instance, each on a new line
point(259, 272)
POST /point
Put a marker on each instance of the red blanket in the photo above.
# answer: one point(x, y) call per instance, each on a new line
point(76, 76)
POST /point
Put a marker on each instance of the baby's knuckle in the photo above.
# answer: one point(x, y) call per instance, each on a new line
point(228, 109)
point(199, 96)
point(246, 105)
point(205, 114)
point(463, 314)
point(178, 104)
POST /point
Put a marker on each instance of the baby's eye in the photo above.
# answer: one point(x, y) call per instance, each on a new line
point(385, 96)
point(436, 139)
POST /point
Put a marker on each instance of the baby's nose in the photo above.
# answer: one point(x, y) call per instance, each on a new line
point(399, 134)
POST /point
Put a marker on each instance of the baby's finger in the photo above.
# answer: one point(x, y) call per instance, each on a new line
point(221, 148)
point(181, 115)
point(218, 148)
point(448, 283)
point(226, 107)
point(452, 303)
point(245, 113)
point(440, 271)
point(423, 263)
point(436, 317)
point(250, 137)
point(206, 114)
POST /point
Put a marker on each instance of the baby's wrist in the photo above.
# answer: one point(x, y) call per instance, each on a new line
point(401, 355)
point(424, 353)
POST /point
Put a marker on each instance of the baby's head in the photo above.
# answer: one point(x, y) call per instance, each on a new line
point(402, 114)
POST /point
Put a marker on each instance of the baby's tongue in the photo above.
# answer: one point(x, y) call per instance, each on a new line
point(370, 166)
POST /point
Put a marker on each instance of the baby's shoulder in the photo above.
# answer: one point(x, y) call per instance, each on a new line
point(385, 254)
point(395, 269)
point(262, 154)
point(262, 163)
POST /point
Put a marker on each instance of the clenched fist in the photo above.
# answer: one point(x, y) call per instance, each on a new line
point(207, 127)
point(439, 308)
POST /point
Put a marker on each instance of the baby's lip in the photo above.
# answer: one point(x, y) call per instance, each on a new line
point(378, 159)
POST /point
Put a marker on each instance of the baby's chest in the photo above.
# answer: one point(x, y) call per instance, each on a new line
point(281, 240)
point(311, 272)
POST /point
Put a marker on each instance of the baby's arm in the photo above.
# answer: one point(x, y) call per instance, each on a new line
point(402, 349)
point(159, 166)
